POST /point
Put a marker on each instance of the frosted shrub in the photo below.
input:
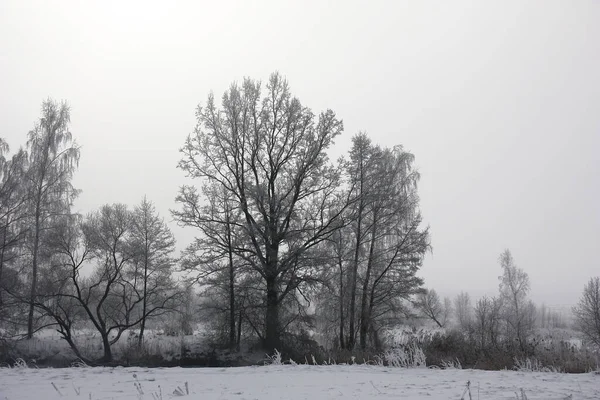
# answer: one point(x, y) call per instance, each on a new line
point(20, 363)
point(79, 363)
point(452, 364)
point(533, 365)
point(274, 359)
point(410, 356)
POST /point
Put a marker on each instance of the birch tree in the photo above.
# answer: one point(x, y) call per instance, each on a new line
point(53, 159)
point(13, 226)
point(397, 243)
point(373, 259)
point(519, 313)
point(360, 170)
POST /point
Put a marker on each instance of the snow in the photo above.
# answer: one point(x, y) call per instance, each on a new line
point(290, 382)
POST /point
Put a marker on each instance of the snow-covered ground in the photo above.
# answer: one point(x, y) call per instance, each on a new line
point(290, 382)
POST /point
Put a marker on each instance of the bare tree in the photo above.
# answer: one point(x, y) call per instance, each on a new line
point(213, 256)
point(58, 297)
point(360, 169)
point(519, 313)
point(341, 250)
point(153, 246)
point(487, 320)
point(13, 229)
point(374, 257)
point(447, 311)
point(109, 298)
point(270, 155)
point(430, 305)
point(463, 311)
point(397, 244)
point(587, 312)
point(53, 158)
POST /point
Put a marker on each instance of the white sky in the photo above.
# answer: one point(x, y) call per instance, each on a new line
point(498, 100)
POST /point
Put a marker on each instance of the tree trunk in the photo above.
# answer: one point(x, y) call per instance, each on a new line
point(341, 304)
point(108, 357)
point(239, 331)
point(232, 342)
point(5, 228)
point(272, 333)
point(144, 304)
point(69, 339)
point(353, 282)
point(33, 292)
point(231, 308)
point(365, 316)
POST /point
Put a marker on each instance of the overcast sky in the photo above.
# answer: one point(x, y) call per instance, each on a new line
point(498, 101)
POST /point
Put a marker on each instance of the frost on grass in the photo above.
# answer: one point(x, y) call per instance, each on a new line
point(410, 356)
point(534, 365)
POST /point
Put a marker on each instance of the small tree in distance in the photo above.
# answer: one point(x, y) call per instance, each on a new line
point(153, 245)
point(519, 313)
point(430, 305)
point(587, 312)
point(463, 311)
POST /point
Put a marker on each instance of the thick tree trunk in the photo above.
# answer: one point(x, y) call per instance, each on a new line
point(69, 339)
point(108, 357)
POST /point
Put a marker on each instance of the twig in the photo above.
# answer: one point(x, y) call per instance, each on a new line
point(467, 390)
point(55, 388)
point(375, 387)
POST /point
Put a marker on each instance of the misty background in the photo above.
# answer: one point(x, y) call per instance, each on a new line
point(498, 101)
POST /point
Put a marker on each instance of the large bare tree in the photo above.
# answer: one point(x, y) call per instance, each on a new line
point(270, 154)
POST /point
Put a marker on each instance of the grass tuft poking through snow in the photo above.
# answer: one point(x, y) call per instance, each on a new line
point(410, 356)
point(274, 359)
point(451, 364)
point(534, 365)
point(467, 391)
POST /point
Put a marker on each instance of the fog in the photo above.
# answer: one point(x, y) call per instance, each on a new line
point(497, 101)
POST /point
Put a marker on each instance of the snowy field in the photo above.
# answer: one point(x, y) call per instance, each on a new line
point(290, 382)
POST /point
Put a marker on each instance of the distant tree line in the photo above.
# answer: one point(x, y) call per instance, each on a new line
point(510, 325)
